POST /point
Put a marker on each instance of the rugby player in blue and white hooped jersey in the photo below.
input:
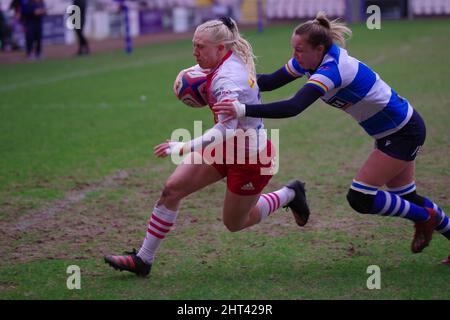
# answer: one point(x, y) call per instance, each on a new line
point(219, 47)
point(349, 85)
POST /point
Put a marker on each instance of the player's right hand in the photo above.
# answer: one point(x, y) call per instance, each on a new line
point(164, 149)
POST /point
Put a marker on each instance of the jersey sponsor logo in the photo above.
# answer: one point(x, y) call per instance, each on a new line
point(219, 92)
point(251, 83)
point(339, 103)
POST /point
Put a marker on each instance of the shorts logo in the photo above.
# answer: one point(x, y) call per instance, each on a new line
point(418, 149)
point(248, 186)
point(388, 142)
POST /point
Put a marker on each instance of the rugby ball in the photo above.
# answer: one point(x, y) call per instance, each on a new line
point(190, 87)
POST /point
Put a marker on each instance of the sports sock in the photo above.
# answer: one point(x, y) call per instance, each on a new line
point(272, 201)
point(444, 222)
point(444, 225)
point(390, 204)
point(161, 221)
point(386, 203)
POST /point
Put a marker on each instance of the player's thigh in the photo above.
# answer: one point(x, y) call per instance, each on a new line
point(190, 177)
point(237, 207)
point(403, 178)
point(380, 168)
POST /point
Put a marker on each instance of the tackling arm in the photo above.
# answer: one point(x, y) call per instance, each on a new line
point(275, 80)
point(286, 108)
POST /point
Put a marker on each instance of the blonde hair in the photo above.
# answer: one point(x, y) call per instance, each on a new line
point(322, 31)
point(225, 30)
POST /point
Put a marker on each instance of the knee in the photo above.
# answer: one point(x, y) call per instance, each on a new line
point(231, 226)
point(172, 191)
point(360, 202)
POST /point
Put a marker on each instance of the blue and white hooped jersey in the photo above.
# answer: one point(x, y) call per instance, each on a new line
point(350, 85)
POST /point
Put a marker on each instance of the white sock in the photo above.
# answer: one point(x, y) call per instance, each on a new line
point(161, 221)
point(271, 202)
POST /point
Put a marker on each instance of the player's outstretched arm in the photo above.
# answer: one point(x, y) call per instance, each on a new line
point(217, 134)
point(275, 80)
point(281, 109)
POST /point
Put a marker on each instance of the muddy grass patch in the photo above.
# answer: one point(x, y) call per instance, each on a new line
point(103, 218)
point(111, 216)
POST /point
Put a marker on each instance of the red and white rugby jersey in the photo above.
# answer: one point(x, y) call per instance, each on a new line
point(230, 80)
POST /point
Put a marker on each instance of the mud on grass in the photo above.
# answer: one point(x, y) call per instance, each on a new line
point(88, 218)
point(200, 258)
point(110, 216)
point(115, 220)
point(105, 217)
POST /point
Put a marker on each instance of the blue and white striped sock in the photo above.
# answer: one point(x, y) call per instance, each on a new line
point(390, 204)
point(401, 191)
point(444, 225)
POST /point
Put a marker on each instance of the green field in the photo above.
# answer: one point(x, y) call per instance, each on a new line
point(78, 180)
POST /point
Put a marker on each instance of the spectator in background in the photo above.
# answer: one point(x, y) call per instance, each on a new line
point(2, 31)
point(16, 6)
point(230, 8)
point(6, 30)
point(15, 25)
point(83, 46)
point(234, 9)
point(32, 12)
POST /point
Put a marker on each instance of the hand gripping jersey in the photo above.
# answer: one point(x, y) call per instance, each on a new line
point(350, 85)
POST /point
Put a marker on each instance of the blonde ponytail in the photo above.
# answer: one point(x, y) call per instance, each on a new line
point(244, 50)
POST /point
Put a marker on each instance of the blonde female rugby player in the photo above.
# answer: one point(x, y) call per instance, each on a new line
point(217, 45)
